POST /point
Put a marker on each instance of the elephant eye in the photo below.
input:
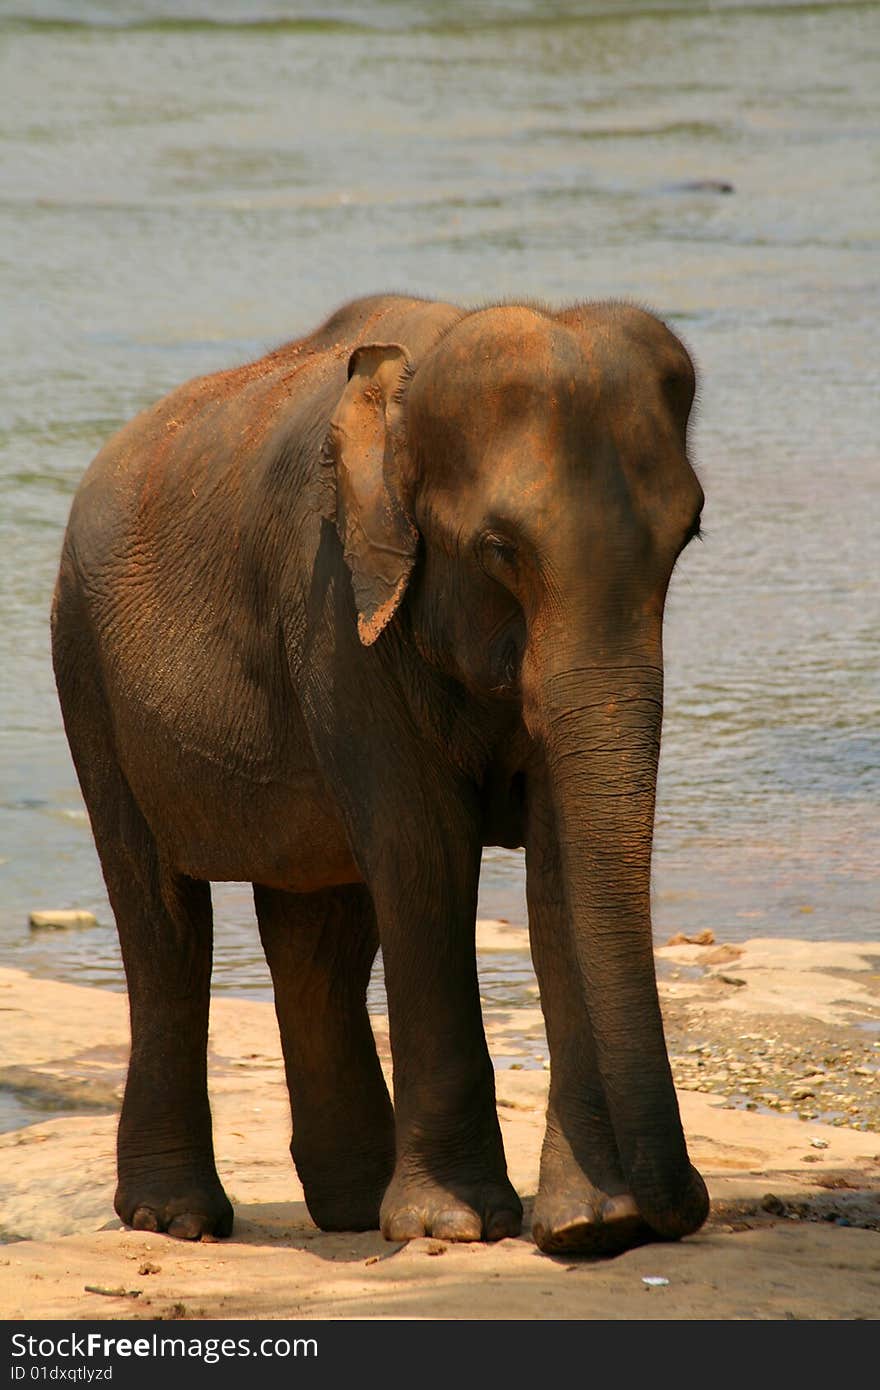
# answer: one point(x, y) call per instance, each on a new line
point(496, 550)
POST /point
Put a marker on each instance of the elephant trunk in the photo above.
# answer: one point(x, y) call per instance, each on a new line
point(601, 728)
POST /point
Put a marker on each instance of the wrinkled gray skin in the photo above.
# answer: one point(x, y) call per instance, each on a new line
point(331, 623)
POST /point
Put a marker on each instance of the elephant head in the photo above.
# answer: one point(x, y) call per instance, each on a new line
point(542, 460)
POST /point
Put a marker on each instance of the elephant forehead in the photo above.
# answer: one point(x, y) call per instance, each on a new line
point(499, 363)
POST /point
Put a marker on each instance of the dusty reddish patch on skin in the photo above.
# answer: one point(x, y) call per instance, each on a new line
point(248, 401)
point(370, 628)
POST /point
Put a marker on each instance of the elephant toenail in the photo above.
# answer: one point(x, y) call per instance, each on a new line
point(457, 1225)
point(503, 1224)
point(187, 1226)
point(145, 1219)
point(620, 1208)
point(404, 1225)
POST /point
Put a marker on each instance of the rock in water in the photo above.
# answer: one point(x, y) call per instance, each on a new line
point(61, 920)
point(701, 186)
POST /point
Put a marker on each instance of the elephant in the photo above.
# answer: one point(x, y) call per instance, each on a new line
point(330, 623)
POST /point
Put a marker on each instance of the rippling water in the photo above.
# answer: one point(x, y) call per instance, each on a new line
point(182, 185)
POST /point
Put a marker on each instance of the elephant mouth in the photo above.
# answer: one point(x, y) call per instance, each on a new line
point(505, 661)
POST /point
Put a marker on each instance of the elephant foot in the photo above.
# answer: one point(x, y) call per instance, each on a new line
point(576, 1217)
point(348, 1210)
point(187, 1210)
point(679, 1213)
point(584, 1204)
point(344, 1185)
point(457, 1211)
point(564, 1224)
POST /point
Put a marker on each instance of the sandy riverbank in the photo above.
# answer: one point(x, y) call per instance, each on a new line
point(789, 1029)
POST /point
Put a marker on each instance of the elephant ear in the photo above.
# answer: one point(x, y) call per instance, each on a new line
point(365, 447)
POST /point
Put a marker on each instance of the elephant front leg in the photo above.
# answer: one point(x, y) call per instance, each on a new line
point(583, 1204)
point(320, 948)
point(450, 1177)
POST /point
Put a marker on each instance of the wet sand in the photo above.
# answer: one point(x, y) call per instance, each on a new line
point(775, 1048)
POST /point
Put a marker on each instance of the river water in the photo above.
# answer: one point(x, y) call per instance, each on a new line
point(184, 184)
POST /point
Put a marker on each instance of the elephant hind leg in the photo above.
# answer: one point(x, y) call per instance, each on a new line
point(167, 1175)
point(167, 1178)
point(320, 948)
